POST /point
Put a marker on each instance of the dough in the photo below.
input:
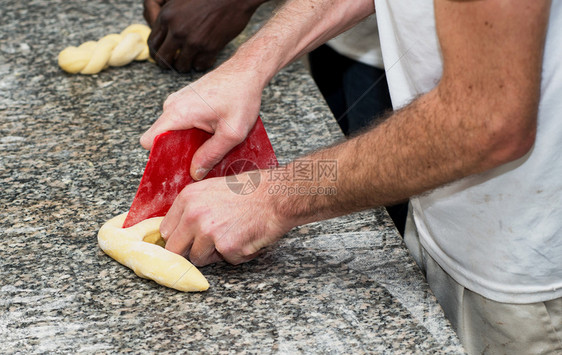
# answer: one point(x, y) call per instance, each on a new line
point(112, 50)
point(140, 248)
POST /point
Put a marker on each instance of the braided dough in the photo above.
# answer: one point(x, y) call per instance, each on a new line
point(140, 248)
point(112, 50)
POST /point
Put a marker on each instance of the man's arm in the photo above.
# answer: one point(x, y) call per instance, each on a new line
point(482, 114)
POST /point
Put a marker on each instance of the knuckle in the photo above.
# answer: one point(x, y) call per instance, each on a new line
point(166, 15)
point(173, 34)
point(207, 231)
point(233, 252)
point(195, 43)
point(177, 35)
point(183, 198)
point(170, 100)
point(225, 249)
point(236, 261)
point(183, 66)
point(232, 134)
point(247, 251)
point(196, 258)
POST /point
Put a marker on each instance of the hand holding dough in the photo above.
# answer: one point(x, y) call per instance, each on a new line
point(112, 50)
point(140, 248)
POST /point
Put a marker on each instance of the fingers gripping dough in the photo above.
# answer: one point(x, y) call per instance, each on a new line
point(140, 248)
point(112, 50)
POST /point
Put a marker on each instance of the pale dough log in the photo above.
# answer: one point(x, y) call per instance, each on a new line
point(134, 247)
point(112, 50)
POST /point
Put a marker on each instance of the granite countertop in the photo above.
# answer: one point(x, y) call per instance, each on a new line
point(70, 160)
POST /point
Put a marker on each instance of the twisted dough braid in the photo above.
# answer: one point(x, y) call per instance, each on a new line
point(140, 248)
point(112, 50)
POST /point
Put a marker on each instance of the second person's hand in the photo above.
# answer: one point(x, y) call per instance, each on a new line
point(151, 10)
point(189, 34)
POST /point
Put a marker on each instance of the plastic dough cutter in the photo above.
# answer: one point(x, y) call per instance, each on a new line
point(167, 169)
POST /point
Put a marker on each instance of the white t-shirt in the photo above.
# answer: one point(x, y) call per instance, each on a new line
point(360, 43)
point(498, 233)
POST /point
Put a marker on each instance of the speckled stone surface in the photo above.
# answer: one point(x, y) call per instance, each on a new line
point(70, 160)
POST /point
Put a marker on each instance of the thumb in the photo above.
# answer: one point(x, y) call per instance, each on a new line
point(146, 140)
point(170, 120)
point(213, 151)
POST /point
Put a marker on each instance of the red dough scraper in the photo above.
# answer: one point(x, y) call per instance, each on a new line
point(167, 169)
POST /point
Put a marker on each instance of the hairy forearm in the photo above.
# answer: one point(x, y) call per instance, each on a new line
point(427, 144)
point(296, 28)
point(391, 162)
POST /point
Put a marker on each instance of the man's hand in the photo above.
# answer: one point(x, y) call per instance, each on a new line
point(222, 102)
point(190, 33)
point(208, 222)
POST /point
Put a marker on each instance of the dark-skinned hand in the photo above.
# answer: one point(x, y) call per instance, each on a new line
point(189, 34)
point(151, 10)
